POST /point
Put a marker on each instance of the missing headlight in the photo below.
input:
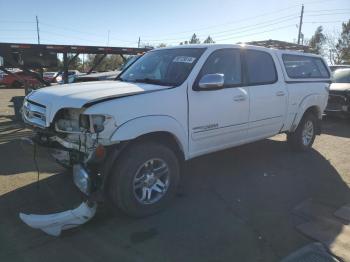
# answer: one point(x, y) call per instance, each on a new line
point(97, 122)
point(67, 120)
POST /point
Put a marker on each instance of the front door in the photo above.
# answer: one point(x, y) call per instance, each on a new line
point(219, 118)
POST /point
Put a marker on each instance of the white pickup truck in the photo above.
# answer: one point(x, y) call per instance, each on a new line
point(127, 138)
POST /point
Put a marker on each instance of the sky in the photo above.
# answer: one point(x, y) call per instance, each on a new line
point(122, 23)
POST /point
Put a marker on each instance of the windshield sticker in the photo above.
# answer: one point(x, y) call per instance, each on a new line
point(184, 59)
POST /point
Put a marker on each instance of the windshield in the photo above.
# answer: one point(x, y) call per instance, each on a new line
point(341, 76)
point(168, 67)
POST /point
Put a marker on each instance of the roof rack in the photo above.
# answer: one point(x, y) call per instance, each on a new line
point(282, 45)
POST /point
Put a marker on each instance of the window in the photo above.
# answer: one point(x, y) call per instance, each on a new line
point(298, 66)
point(260, 67)
point(169, 67)
point(226, 62)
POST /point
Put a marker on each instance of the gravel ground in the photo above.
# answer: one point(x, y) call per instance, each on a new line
point(234, 205)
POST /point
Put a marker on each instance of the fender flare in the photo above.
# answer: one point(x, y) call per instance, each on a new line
point(312, 100)
point(149, 124)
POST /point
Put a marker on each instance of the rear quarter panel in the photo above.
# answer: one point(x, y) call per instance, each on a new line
point(303, 93)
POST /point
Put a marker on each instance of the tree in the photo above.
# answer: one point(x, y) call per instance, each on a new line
point(194, 39)
point(343, 45)
point(209, 40)
point(333, 53)
point(75, 64)
point(110, 62)
point(317, 40)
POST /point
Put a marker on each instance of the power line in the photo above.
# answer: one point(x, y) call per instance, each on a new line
point(16, 22)
point(230, 22)
point(323, 22)
point(236, 31)
point(348, 13)
point(82, 32)
point(17, 30)
point(327, 10)
point(266, 31)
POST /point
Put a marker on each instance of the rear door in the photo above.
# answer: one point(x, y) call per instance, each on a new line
point(219, 118)
point(268, 94)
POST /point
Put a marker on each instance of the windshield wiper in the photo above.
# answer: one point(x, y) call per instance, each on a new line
point(152, 81)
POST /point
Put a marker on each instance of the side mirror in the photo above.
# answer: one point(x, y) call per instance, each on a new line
point(211, 82)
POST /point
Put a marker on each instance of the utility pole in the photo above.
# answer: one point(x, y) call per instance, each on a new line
point(108, 39)
point(138, 45)
point(37, 29)
point(300, 23)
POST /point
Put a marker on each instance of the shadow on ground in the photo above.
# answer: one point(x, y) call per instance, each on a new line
point(231, 206)
point(16, 158)
point(336, 126)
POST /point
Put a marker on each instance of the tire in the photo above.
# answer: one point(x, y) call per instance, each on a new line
point(131, 178)
point(304, 136)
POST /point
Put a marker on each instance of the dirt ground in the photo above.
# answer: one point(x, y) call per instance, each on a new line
point(236, 205)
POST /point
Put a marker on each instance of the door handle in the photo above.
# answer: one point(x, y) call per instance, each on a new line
point(239, 98)
point(280, 93)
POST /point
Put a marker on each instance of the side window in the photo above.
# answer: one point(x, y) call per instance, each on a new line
point(226, 62)
point(260, 67)
point(298, 66)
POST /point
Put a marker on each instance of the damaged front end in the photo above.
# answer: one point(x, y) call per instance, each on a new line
point(78, 141)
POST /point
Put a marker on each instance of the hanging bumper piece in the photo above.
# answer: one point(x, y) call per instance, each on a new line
point(53, 224)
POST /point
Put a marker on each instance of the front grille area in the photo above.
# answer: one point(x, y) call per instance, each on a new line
point(336, 102)
point(34, 113)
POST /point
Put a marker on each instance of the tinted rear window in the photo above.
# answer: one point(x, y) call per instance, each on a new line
point(305, 67)
point(260, 67)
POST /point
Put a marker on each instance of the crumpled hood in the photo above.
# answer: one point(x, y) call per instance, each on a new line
point(78, 94)
point(339, 86)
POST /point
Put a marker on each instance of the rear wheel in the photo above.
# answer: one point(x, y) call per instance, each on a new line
point(144, 179)
point(304, 136)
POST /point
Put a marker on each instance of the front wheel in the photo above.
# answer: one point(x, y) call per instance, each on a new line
point(144, 179)
point(304, 136)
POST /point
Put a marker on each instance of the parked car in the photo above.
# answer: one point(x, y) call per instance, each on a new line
point(111, 75)
point(72, 75)
point(127, 137)
point(335, 67)
point(2, 75)
point(339, 93)
point(9, 80)
point(50, 76)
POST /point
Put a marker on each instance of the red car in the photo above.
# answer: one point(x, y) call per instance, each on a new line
point(13, 82)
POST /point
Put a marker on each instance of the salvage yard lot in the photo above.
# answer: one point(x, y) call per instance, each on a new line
point(235, 205)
